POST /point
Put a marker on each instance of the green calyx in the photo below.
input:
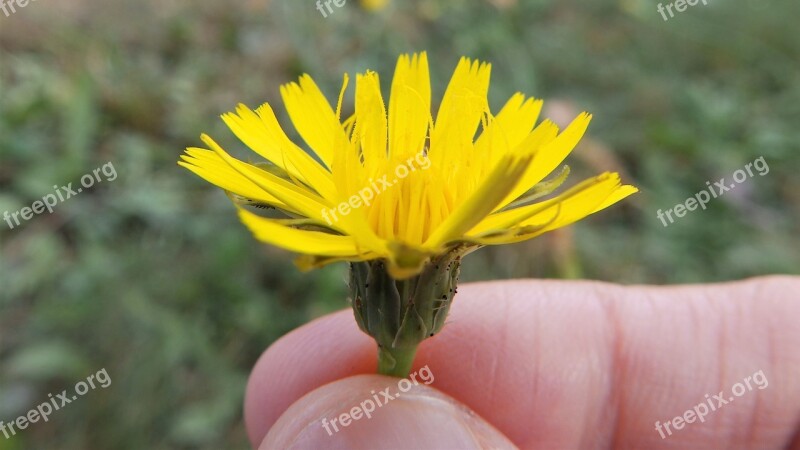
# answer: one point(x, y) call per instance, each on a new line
point(399, 314)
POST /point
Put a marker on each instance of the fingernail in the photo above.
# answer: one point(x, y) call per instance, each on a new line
point(335, 416)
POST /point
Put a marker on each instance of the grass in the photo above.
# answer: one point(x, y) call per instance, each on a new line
point(152, 277)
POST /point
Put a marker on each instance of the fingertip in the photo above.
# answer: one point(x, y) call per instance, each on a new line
point(354, 413)
point(289, 368)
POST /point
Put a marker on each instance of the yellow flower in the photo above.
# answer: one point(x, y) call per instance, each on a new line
point(455, 189)
point(374, 5)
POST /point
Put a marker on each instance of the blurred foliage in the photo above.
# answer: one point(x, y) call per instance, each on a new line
point(151, 276)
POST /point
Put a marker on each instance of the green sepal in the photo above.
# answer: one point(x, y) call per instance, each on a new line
point(400, 314)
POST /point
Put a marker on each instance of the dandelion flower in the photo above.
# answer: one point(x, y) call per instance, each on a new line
point(374, 5)
point(400, 194)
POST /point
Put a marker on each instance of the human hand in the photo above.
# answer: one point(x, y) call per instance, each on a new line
point(552, 364)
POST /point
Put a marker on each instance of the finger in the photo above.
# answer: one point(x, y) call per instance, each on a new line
point(580, 364)
point(322, 351)
point(373, 412)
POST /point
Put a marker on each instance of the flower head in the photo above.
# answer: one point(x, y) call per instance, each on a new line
point(374, 5)
point(397, 184)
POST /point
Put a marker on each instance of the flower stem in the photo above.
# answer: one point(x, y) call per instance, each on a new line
point(395, 362)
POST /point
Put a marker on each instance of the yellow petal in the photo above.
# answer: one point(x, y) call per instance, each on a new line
point(463, 104)
point(371, 122)
point(509, 128)
point(582, 200)
point(573, 211)
point(409, 106)
point(621, 193)
point(314, 118)
point(209, 166)
point(493, 189)
point(604, 184)
point(550, 155)
point(299, 241)
point(262, 133)
point(307, 203)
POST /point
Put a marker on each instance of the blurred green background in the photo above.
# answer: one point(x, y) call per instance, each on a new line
point(152, 277)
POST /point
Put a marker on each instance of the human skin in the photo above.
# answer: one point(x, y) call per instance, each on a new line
point(552, 364)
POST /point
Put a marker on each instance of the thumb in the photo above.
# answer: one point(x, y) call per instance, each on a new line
point(378, 412)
